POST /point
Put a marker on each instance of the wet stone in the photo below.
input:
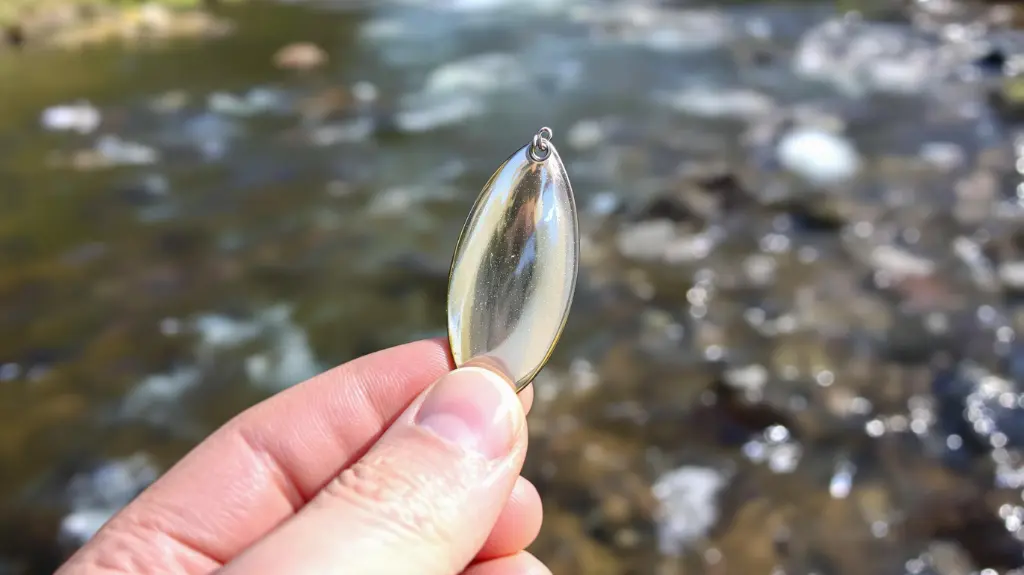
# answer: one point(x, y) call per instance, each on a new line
point(300, 56)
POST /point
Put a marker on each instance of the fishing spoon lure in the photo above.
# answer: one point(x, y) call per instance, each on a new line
point(514, 271)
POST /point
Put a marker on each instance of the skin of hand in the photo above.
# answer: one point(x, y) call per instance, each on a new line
point(391, 464)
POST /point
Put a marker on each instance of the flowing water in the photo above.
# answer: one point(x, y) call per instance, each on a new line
point(793, 348)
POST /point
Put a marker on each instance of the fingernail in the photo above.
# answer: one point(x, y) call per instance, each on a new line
point(474, 408)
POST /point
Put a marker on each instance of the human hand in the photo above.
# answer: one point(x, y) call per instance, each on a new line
point(366, 469)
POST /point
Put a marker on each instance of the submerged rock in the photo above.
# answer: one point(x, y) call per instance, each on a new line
point(688, 508)
point(300, 56)
point(81, 117)
point(820, 157)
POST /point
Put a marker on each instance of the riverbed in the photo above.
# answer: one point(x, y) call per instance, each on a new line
point(793, 346)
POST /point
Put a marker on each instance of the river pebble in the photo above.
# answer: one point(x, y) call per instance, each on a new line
point(81, 117)
point(819, 156)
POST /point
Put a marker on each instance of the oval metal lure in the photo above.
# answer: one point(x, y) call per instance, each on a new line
point(514, 270)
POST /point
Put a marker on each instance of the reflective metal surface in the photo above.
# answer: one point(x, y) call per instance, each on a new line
point(514, 270)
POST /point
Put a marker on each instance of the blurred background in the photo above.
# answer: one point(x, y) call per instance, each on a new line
point(793, 348)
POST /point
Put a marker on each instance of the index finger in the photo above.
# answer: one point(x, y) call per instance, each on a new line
point(260, 467)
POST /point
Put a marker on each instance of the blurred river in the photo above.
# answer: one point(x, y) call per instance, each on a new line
point(793, 347)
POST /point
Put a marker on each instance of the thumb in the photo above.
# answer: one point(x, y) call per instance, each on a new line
point(422, 500)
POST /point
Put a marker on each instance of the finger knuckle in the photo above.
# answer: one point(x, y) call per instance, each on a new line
point(387, 494)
